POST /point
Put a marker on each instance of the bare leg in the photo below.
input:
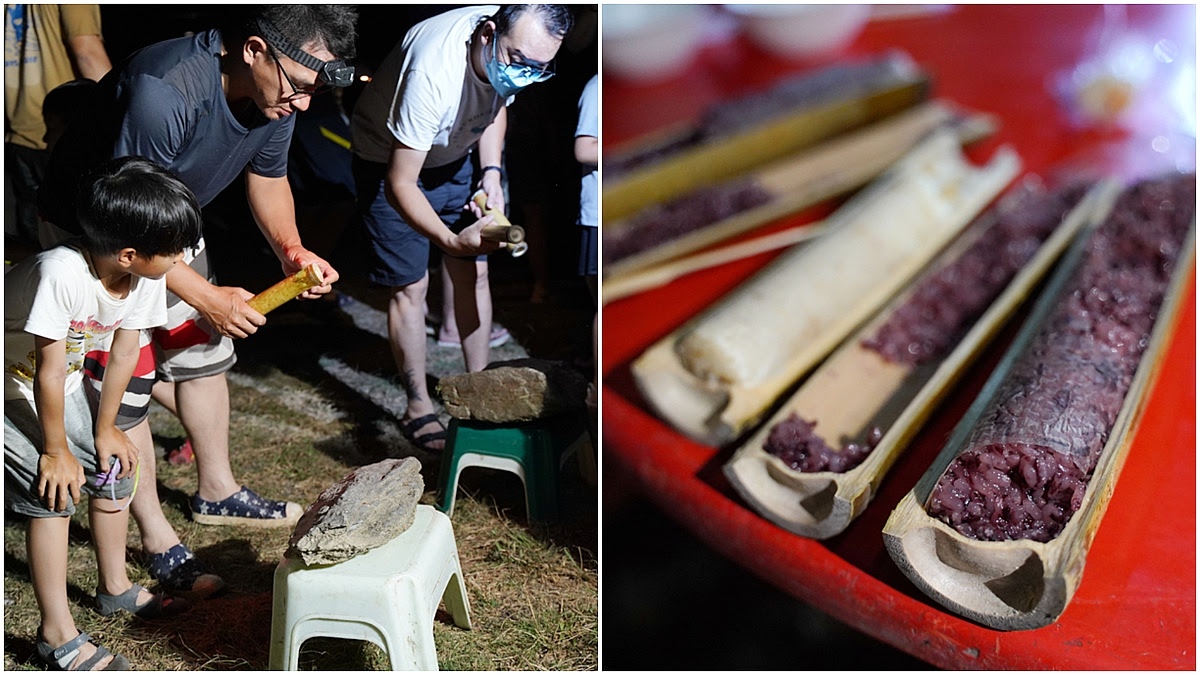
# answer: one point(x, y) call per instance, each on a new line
point(406, 333)
point(448, 331)
point(110, 525)
point(157, 534)
point(473, 309)
point(203, 408)
point(46, 547)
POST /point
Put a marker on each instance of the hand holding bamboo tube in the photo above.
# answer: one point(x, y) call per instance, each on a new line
point(510, 236)
point(287, 289)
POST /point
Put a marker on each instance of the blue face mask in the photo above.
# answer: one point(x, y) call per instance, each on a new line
point(508, 80)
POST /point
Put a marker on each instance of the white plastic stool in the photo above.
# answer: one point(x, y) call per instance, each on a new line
point(387, 596)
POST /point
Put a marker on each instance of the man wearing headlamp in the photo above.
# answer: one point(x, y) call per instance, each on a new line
point(438, 98)
point(210, 108)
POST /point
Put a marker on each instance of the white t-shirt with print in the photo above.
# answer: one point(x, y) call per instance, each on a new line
point(426, 95)
point(56, 295)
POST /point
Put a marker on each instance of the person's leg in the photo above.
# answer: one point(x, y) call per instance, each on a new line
point(473, 309)
point(448, 331)
point(406, 335)
point(203, 408)
point(110, 525)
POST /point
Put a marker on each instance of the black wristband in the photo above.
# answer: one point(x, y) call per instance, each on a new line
point(492, 168)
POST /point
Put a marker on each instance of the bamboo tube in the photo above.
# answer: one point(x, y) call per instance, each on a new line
point(716, 375)
point(828, 170)
point(855, 389)
point(1024, 584)
point(502, 230)
point(287, 289)
point(722, 158)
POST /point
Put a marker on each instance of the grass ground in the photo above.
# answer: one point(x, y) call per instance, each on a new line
point(314, 396)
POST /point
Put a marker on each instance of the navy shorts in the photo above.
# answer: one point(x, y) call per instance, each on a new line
point(400, 254)
point(587, 250)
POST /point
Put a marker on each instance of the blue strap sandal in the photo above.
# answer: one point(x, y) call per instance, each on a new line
point(62, 657)
point(158, 607)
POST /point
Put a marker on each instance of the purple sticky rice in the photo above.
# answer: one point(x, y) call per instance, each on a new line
point(936, 315)
point(1028, 461)
point(661, 223)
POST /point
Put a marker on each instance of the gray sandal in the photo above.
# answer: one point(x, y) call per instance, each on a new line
point(160, 606)
point(62, 657)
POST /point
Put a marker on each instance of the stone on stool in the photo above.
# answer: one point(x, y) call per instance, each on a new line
point(514, 391)
point(368, 508)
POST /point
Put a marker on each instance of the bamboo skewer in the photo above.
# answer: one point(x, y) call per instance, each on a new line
point(287, 289)
point(662, 274)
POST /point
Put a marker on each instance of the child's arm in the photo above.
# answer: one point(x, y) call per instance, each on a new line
point(59, 473)
point(111, 441)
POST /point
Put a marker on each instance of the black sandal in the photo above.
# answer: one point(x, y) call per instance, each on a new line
point(410, 429)
point(62, 657)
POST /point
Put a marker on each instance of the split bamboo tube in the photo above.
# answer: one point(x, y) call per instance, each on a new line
point(1023, 584)
point(287, 289)
point(714, 377)
point(721, 158)
point(833, 168)
point(856, 389)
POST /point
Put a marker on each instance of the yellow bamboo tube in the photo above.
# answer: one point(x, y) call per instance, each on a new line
point(287, 289)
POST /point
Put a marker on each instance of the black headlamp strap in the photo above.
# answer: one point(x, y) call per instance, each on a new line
point(331, 72)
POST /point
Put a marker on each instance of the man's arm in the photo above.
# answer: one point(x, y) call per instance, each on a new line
point(491, 152)
point(406, 197)
point(89, 56)
point(224, 307)
point(111, 441)
point(59, 474)
point(275, 212)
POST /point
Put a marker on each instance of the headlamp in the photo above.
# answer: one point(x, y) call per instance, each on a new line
point(332, 73)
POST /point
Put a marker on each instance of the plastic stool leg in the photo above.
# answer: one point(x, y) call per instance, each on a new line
point(542, 487)
point(448, 475)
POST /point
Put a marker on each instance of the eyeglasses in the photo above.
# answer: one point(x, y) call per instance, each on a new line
point(534, 72)
point(297, 92)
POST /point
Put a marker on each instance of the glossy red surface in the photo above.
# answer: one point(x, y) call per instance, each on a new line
point(1136, 606)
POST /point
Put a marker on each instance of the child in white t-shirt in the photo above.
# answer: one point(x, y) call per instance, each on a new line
point(72, 320)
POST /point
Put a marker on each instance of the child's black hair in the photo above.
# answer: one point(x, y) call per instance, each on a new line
point(132, 202)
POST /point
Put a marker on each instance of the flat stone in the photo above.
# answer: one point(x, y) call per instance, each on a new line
point(371, 506)
point(514, 391)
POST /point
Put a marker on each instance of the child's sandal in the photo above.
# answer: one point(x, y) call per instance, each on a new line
point(62, 658)
point(160, 606)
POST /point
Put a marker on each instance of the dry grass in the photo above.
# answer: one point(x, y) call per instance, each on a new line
point(298, 426)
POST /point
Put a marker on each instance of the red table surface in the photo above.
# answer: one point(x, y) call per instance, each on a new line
point(1136, 605)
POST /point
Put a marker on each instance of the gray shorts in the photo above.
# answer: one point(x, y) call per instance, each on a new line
point(22, 449)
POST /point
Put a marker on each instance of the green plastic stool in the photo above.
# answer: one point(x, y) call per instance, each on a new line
point(529, 450)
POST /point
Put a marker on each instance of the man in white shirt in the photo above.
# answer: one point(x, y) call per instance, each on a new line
point(439, 96)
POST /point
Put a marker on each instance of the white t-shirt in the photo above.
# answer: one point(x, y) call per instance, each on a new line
point(56, 295)
point(589, 125)
point(426, 94)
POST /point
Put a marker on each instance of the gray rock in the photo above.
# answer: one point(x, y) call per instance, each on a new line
point(368, 508)
point(514, 391)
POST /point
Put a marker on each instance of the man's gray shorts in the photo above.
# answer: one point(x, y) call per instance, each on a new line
point(22, 449)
